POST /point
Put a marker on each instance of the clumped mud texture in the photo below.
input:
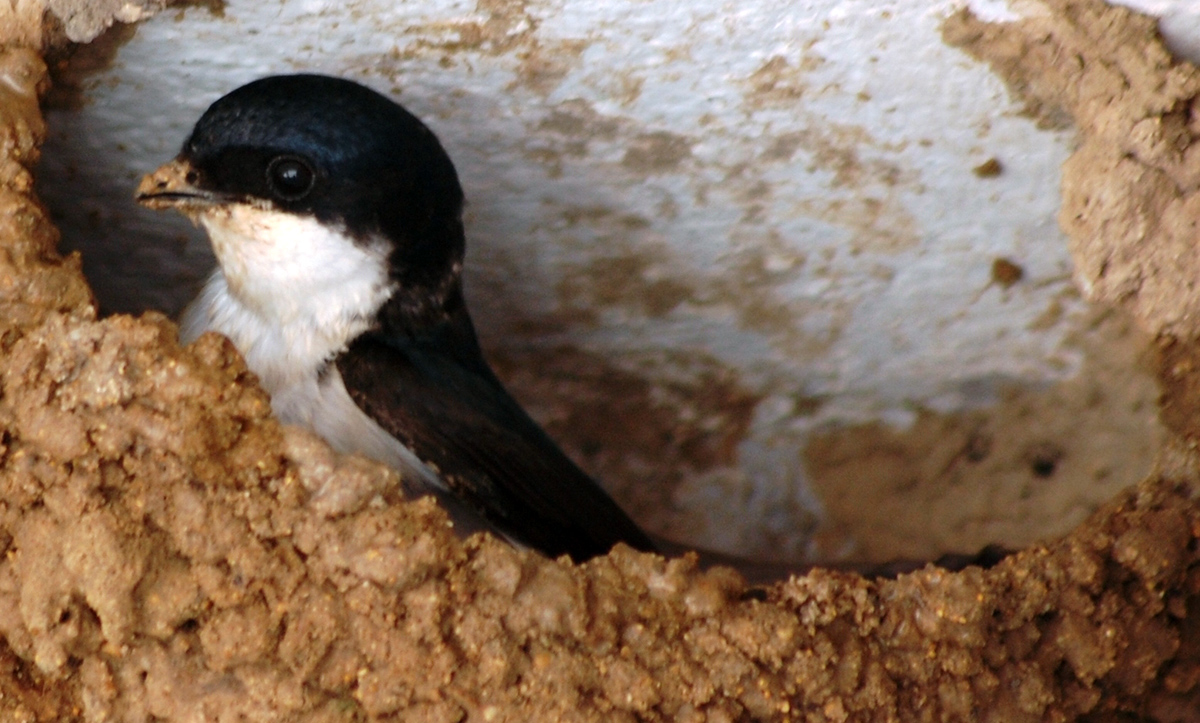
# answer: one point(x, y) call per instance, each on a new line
point(171, 553)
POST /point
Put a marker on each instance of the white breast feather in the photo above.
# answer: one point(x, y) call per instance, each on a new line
point(291, 293)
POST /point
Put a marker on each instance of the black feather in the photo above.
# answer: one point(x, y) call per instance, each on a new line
point(435, 393)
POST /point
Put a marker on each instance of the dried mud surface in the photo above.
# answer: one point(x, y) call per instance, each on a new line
point(171, 553)
point(1131, 191)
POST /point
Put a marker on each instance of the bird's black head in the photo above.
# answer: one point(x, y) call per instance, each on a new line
point(340, 152)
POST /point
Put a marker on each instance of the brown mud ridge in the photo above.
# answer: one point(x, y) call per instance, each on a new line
point(171, 553)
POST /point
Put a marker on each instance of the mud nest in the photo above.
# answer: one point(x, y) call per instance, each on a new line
point(172, 553)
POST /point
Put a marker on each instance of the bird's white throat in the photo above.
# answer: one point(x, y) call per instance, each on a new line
point(290, 291)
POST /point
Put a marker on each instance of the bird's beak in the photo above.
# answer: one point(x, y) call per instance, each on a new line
point(173, 186)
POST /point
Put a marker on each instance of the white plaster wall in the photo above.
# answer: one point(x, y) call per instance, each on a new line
point(785, 189)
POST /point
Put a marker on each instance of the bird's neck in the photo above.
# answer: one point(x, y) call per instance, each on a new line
point(432, 321)
point(290, 292)
point(282, 351)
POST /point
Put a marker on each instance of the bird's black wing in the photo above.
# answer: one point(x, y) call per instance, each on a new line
point(442, 401)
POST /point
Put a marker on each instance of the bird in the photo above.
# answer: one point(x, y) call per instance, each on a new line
point(335, 216)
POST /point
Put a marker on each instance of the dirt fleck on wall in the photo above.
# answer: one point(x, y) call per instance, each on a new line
point(498, 28)
point(640, 275)
point(657, 152)
point(777, 83)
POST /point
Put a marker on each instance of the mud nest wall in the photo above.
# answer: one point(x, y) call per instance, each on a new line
point(172, 553)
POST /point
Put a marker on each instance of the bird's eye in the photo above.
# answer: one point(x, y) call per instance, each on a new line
point(290, 178)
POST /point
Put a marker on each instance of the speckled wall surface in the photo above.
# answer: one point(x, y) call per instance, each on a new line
point(701, 233)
